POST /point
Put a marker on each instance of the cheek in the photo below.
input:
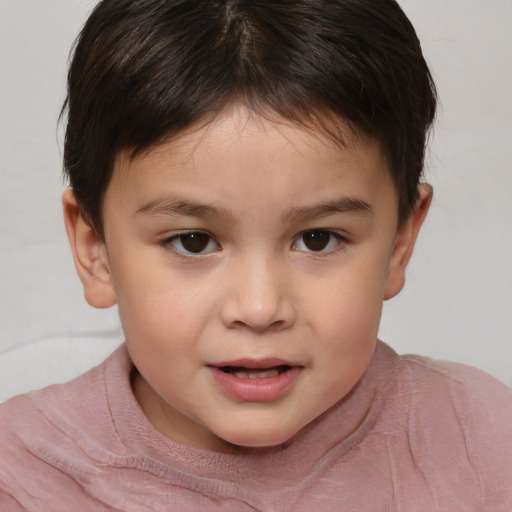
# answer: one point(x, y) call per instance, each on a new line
point(158, 314)
point(163, 330)
point(347, 334)
point(155, 304)
point(350, 300)
point(346, 323)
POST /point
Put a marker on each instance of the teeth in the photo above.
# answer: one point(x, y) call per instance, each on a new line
point(256, 374)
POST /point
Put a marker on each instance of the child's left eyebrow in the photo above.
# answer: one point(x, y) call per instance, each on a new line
point(343, 205)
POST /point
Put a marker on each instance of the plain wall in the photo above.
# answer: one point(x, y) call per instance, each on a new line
point(457, 303)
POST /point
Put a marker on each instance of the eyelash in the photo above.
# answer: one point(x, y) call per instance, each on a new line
point(207, 239)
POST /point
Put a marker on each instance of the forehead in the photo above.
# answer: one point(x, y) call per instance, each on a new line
point(240, 154)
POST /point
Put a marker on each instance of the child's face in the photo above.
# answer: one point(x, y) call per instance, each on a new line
point(250, 261)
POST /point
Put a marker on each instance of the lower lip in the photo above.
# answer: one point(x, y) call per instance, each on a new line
point(264, 389)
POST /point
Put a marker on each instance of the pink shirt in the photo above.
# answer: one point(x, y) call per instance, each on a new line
point(413, 435)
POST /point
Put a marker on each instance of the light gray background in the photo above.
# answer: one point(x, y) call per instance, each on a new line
point(457, 303)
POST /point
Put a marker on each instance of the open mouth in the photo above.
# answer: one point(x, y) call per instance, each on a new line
point(255, 373)
point(256, 380)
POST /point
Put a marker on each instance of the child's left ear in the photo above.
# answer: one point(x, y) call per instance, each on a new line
point(404, 243)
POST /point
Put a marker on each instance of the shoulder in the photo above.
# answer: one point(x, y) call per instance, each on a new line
point(430, 383)
point(468, 390)
point(46, 436)
point(462, 396)
point(57, 403)
point(458, 424)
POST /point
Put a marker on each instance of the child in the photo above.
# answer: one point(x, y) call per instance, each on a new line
point(245, 185)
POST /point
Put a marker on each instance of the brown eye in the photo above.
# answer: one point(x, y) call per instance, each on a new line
point(193, 242)
point(317, 240)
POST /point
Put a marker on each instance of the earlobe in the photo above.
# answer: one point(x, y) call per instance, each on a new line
point(89, 254)
point(405, 241)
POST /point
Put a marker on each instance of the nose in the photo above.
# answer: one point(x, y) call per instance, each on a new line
point(258, 298)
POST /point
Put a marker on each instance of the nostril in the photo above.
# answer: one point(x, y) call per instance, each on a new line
point(263, 327)
point(278, 324)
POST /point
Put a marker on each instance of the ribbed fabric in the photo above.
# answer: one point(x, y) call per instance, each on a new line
point(413, 435)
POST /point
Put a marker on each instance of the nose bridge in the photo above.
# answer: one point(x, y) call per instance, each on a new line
point(258, 296)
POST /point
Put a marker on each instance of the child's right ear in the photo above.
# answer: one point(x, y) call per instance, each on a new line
point(89, 254)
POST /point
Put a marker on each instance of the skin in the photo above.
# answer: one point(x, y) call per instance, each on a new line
point(255, 186)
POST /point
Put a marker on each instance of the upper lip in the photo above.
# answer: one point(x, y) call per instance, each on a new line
point(268, 362)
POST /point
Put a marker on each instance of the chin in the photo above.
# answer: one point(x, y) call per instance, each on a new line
point(259, 438)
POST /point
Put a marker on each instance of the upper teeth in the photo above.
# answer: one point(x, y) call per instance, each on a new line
point(256, 374)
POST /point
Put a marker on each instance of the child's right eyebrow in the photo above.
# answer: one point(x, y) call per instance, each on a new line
point(171, 206)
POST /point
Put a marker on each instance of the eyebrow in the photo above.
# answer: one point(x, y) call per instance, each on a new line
point(183, 208)
point(343, 205)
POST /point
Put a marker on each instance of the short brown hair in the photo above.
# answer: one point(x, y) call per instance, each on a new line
point(143, 70)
